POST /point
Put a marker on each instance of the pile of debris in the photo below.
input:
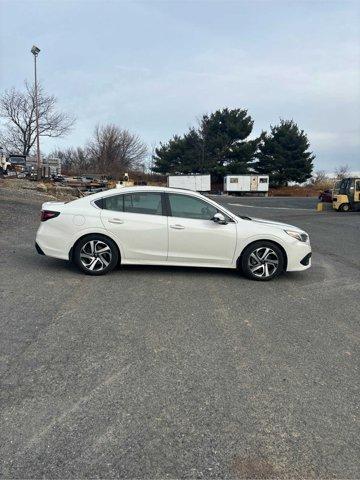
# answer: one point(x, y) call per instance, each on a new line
point(83, 185)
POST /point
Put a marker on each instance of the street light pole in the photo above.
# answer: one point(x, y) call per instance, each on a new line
point(35, 51)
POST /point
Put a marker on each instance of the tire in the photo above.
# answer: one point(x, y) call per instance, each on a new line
point(96, 254)
point(344, 207)
point(262, 261)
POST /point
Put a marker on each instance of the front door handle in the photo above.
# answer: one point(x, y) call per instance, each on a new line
point(177, 226)
point(115, 220)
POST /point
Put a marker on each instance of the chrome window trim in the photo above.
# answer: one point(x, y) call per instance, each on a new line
point(202, 197)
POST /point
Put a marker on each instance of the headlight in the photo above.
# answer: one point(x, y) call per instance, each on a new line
point(301, 236)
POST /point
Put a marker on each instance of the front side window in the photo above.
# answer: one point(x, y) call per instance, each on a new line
point(234, 180)
point(148, 203)
point(263, 180)
point(184, 206)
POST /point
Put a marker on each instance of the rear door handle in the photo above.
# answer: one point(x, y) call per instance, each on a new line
point(177, 226)
point(115, 220)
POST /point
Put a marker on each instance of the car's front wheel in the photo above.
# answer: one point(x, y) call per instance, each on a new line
point(262, 261)
point(96, 254)
point(345, 207)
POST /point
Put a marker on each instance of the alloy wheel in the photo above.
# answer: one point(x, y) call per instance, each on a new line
point(263, 262)
point(95, 255)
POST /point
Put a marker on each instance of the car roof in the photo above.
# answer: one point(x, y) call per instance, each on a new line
point(115, 191)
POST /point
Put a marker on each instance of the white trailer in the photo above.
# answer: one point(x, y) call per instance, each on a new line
point(197, 183)
point(246, 184)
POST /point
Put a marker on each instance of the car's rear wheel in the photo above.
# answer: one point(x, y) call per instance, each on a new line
point(96, 254)
point(262, 261)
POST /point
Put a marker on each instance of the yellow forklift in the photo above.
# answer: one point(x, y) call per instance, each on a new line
point(347, 195)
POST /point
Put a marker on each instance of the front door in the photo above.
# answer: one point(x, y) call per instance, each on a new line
point(253, 183)
point(194, 238)
point(137, 221)
point(357, 191)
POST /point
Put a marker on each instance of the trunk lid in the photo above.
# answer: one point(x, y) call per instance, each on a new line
point(53, 206)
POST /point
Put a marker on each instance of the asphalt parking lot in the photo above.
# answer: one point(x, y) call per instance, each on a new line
point(180, 373)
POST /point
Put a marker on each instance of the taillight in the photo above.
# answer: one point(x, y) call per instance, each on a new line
point(47, 214)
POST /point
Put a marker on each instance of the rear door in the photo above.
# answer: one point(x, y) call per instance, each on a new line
point(137, 220)
point(193, 237)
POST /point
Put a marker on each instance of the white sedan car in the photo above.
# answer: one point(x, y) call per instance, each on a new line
point(166, 226)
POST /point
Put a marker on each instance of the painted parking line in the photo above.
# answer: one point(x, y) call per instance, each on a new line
point(272, 208)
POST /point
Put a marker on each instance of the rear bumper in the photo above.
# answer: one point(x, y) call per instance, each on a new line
point(49, 242)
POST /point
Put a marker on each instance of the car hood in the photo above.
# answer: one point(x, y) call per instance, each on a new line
point(270, 223)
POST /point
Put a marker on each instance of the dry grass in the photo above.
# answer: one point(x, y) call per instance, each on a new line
point(298, 191)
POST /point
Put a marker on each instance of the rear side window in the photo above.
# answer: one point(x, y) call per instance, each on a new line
point(143, 202)
point(115, 203)
point(99, 203)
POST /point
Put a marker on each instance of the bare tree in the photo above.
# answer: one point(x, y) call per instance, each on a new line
point(342, 171)
point(18, 110)
point(319, 178)
point(73, 160)
point(114, 150)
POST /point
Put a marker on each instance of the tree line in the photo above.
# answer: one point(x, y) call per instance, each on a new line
point(222, 143)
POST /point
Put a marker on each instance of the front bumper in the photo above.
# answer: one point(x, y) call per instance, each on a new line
point(299, 257)
point(38, 249)
point(306, 260)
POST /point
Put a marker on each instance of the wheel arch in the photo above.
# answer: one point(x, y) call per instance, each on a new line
point(71, 251)
point(238, 261)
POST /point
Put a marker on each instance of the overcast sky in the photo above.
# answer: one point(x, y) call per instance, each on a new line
point(155, 66)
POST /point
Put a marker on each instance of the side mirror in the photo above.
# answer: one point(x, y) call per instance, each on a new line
point(219, 218)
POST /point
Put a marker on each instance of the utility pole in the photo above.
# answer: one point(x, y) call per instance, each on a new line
point(35, 51)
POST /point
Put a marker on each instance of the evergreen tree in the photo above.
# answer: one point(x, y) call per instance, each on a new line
point(284, 155)
point(218, 146)
point(179, 154)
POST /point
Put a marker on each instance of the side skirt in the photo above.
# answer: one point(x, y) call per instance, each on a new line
point(174, 264)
